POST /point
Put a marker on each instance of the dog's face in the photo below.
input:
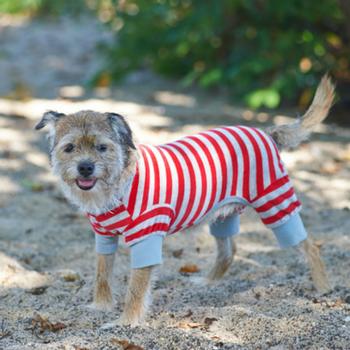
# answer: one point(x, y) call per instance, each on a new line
point(90, 152)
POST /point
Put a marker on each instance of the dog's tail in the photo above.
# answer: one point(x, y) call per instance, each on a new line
point(289, 136)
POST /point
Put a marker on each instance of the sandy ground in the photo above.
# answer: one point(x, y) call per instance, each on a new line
point(266, 300)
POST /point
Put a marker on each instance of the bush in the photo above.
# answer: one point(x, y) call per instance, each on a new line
point(42, 7)
point(261, 50)
point(16, 6)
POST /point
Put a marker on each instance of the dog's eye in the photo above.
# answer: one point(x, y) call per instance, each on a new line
point(101, 148)
point(69, 148)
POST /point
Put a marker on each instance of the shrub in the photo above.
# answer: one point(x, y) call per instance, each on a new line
point(42, 7)
point(261, 50)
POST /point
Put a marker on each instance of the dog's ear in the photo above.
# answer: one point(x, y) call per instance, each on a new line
point(121, 129)
point(50, 119)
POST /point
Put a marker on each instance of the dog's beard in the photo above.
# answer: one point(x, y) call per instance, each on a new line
point(100, 198)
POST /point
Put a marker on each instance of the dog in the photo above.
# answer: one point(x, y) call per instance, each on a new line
point(147, 192)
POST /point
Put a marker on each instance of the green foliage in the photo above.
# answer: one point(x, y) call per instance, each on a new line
point(261, 50)
point(269, 98)
point(16, 6)
point(42, 7)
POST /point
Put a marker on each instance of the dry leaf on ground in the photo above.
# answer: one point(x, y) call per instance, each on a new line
point(177, 253)
point(189, 268)
point(189, 325)
point(330, 168)
point(209, 321)
point(125, 344)
point(71, 276)
point(33, 186)
point(189, 313)
point(42, 324)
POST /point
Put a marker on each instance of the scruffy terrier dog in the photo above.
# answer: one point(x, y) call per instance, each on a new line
point(146, 192)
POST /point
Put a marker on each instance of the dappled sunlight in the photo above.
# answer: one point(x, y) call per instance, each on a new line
point(10, 164)
point(7, 20)
point(266, 298)
point(249, 261)
point(8, 186)
point(14, 138)
point(333, 191)
point(174, 99)
point(38, 159)
point(34, 108)
point(251, 247)
point(14, 275)
point(73, 91)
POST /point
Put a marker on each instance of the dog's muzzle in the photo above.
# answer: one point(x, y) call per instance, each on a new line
point(86, 168)
point(86, 181)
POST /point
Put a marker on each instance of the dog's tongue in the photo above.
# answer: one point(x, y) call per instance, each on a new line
point(85, 183)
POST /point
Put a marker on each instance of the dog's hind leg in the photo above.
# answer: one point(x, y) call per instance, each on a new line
point(226, 249)
point(292, 233)
point(223, 230)
point(317, 268)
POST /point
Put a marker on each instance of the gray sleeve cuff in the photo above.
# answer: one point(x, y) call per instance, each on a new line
point(290, 233)
point(225, 227)
point(147, 252)
point(106, 244)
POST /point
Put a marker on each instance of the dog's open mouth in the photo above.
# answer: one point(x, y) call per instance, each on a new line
point(86, 184)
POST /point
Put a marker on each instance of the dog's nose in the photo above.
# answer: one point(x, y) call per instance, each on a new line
point(86, 168)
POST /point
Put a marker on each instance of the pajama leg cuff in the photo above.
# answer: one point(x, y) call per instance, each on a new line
point(147, 252)
point(106, 245)
point(290, 233)
point(225, 227)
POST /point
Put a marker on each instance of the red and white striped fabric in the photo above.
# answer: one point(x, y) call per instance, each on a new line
point(176, 185)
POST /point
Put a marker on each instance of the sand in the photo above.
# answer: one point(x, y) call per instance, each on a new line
point(266, 300)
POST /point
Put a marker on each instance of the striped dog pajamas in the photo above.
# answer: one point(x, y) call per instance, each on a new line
point(179, 184)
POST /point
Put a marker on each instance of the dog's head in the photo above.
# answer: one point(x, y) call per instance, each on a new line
point(91, 153)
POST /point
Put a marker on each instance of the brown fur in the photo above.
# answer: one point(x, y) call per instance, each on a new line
point(290, 136)
point(318, 271)
point(86, 121)
point(137, 297)
point(102, 294)
point(226, 248)
point(114, 167)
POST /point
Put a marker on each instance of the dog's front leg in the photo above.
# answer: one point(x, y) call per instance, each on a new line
point(138, 296)
point(318, 271)
point(102, 294)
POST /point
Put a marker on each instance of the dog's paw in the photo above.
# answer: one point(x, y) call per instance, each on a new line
point(128, 321)
point(103, 307)
point(109, 325)
point(323, 288)
point(122, 321)
point(200, 281)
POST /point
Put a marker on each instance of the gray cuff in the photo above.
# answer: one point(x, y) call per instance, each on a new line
point(147, 252)
point(225, 227)
point(106, 244)
point(290, 233)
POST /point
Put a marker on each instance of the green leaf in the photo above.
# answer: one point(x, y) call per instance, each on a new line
point(210, 78)
point(269, 98)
